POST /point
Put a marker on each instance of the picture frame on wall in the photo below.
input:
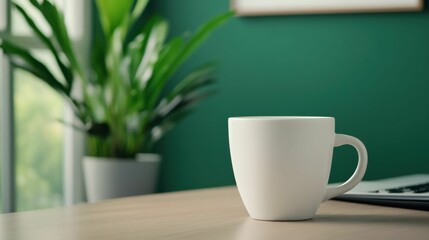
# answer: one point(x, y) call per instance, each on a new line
point(281, 7)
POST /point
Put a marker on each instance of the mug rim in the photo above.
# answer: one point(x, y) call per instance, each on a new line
point(277, 118)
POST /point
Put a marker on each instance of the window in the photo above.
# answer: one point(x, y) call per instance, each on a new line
point(1, 154)
point(38, 141)
point(3, 15)
point(5, 144)
point(38, 168)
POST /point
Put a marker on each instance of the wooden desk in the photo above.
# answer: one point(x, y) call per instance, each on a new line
point(208, 214)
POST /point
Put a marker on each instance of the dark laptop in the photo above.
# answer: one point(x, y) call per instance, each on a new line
point(411, 191)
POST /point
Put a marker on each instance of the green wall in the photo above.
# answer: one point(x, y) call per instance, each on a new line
point(369, 71)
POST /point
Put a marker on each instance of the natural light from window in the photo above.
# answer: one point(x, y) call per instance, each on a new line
point(3, 17)
point(39, 134)
point(39, 142)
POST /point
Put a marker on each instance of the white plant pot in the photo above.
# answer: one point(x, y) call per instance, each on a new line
point(107, 178)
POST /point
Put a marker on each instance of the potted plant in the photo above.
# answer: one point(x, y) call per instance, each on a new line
point(121, 101)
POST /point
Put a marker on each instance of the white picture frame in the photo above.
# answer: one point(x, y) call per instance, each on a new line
point(280, 7)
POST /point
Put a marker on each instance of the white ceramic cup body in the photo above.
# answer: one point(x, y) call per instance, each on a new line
point(282, 164)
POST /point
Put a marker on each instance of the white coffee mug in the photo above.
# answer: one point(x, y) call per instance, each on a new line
point(282, 164)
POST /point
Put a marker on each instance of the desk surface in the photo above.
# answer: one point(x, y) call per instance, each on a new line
point(208, 214)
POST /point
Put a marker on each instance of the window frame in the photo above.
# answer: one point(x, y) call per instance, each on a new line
point(73, 149)
point(6, 114)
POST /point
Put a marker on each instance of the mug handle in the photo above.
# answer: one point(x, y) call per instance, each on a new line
point(341, 139)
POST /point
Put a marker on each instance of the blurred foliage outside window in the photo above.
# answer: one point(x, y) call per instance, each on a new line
point(39, 144)
point(3, 15)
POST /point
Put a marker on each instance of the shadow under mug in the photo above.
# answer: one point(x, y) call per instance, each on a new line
point(282, 164)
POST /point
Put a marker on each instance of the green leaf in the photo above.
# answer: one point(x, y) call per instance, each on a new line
point(23, 59)
point(141, 58)
point(166, 58)
point(112, 13)
point(160, 125)
point(197, 79)
point(79, 109)
point(154, 33)
point(159, 130)
point(191, 100)
point(200, 35)
point(186, 93)
point(55, 19)
point(98, 60)
point(98, 54)
point(98, 129)
point(138, 9)
point(72, 125)
point(150, 52)
point(67, 72)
